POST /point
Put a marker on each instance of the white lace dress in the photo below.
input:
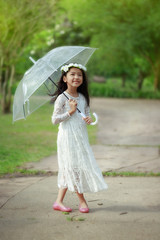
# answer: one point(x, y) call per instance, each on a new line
point(78, 170)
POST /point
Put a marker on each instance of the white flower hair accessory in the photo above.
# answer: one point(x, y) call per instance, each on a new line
point(66, 68)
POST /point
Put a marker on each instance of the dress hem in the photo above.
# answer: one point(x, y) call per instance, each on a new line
point(87, 191)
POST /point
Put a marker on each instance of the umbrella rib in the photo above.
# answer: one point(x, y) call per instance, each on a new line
point(24, 112)
point(47, 88)
point(61, 91)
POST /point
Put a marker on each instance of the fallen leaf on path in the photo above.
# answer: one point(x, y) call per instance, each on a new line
point(65, 213)
point(123, 213)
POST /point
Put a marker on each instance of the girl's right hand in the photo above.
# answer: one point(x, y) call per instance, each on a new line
point(73, 106)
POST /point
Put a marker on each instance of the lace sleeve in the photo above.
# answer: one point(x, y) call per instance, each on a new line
point(59, 115)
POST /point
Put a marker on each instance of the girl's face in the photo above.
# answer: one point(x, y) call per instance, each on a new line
point(74, 77)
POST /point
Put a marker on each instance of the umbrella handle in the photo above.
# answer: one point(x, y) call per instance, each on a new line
point(94, 114)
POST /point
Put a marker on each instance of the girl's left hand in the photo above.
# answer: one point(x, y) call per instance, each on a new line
point(88, 120)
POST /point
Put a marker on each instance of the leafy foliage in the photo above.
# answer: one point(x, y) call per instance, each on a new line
point(19, 21)
point(124, 31)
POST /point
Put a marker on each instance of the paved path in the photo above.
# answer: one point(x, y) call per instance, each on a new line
point(128, 140)
point(129, 209)
point(128, 137)
point(128, 121)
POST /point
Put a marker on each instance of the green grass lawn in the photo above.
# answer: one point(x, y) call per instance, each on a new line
point(29, 140)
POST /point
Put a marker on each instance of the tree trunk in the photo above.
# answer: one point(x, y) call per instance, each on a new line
point(1, 70)
point(7, 82)
point(124, 76)
point(155, 65)
point(156, 80)
point(156, 72)
point(141, 79)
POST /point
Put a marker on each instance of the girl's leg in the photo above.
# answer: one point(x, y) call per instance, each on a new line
point(82, 200)
point(61, 195)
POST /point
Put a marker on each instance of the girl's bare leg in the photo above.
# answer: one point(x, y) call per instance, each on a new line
point(61, 195)
point(82, 200)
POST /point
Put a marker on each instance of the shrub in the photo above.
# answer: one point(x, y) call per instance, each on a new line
point(113, 88)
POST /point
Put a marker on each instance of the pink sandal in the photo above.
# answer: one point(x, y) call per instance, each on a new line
point(57, 207)
point(83, 210)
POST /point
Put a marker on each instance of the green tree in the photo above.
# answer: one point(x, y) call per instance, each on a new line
point(19, 21)
point(128, 28)
point(68, 33)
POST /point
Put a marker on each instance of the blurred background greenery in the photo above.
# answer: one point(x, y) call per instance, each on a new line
point(126, 33)
point(125, 65)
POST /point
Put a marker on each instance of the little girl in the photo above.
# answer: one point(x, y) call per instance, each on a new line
point(78, 170)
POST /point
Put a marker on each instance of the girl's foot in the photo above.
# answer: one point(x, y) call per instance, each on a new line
point(83, 204)
point(83, 207)
point(61, 207)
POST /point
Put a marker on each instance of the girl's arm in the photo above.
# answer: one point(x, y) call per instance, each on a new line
point(58, 114)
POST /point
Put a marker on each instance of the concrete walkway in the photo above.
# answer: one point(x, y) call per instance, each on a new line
point(128, 210)
point(128, 137)
point(128, 140)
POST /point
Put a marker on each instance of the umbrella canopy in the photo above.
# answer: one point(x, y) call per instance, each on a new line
point(34, 88)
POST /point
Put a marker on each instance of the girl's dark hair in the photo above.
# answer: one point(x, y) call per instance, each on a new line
point(83, 88)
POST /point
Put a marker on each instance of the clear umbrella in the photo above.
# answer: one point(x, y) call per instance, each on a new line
point(40, 80)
